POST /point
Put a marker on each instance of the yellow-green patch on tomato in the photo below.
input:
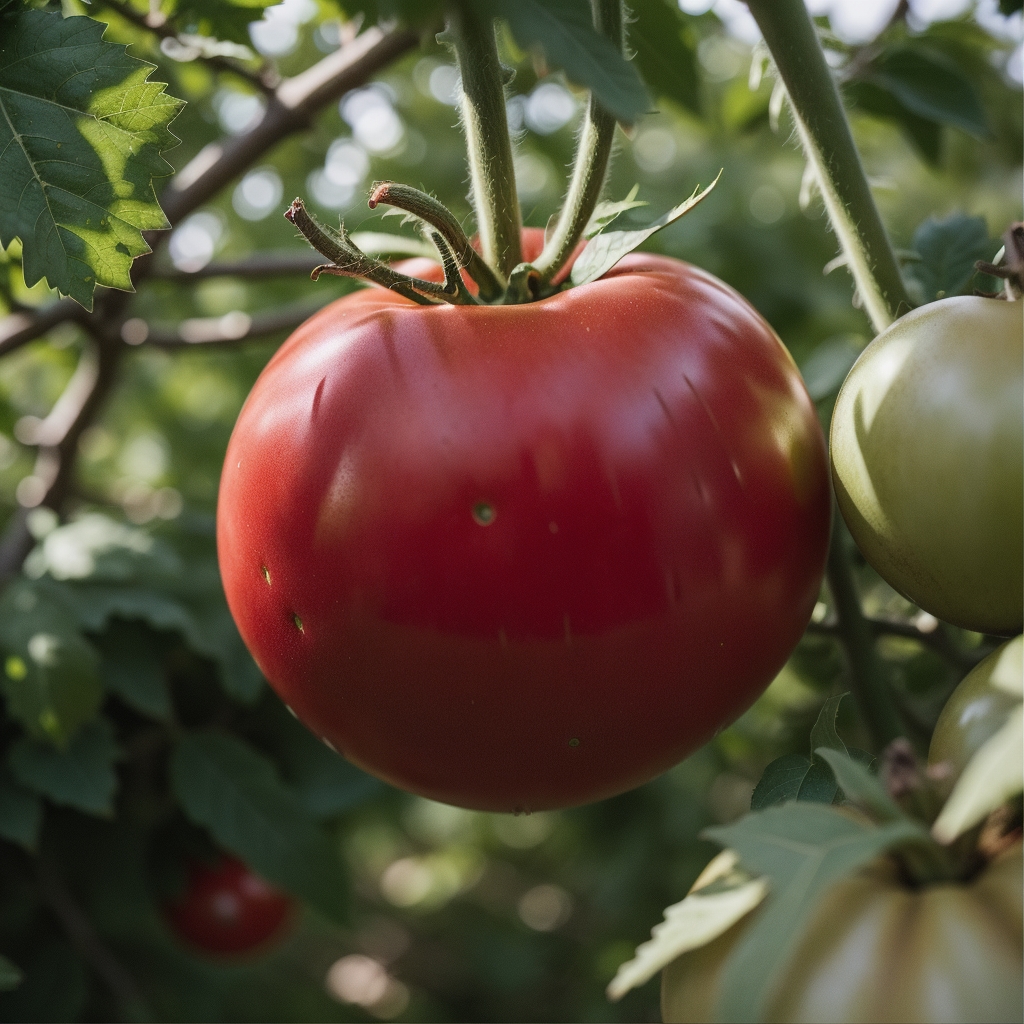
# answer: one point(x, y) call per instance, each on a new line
point(928, 459)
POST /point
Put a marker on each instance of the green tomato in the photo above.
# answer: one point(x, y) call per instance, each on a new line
point(927, 456)
point(877, 950)
point(978, 707)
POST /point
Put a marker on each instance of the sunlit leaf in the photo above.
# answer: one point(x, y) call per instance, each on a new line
point(81, 134)
point(607, 211)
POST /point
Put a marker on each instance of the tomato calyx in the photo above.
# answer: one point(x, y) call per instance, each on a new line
point(1009, 266)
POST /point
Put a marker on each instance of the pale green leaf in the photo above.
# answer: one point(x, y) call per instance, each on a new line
point(603, 251)
point(605, 212)
point(81, 133)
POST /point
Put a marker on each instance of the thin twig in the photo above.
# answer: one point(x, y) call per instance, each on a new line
point(79, 929)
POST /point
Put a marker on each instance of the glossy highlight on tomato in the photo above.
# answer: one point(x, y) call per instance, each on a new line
point(226, 909)
point(525, 557)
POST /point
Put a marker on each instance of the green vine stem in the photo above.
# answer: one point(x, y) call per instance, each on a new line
point(438, 216)
point(828, 143)
point(868, 681)
point(488, 145)
point(591, 164)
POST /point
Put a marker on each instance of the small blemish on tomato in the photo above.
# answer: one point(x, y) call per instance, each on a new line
point(319, 394)
point(483, 513)
point(553, 527)
point(574, 742)
point(266, 574)
point(298, 623)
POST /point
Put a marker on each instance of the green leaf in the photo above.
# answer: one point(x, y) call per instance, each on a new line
point(794, 777)
point(860, 786)
point(827, 366)
point(924, 133)
point(133, 668)
point(666, 51)
point(564, 30)
point(823, 732)
point(948, 249)
point(10, 976)
point(82, 776)
point(607, 211)
point(21, 812)
point(235, 792)
point(803, 849)
point(929, 84)
point(603, 251)
point(220, 19)
point(1008, 7)
point(81, 133)
point(50, 671)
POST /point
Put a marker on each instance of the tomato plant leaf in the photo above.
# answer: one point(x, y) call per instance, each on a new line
point(992, 776)
point(132, 667)
point(794, 777)
point(564, 30)
point(81, 133)
point(666, 51)
point(923, 132)
point(860, 786)
point(10, 975)
point(802, 849)
point(21, 811)
point(604, 250)
point(823, 732)
point(236, 793)
point(948, 250)
point(607, 211)
point(81, 776)
point(50, 675)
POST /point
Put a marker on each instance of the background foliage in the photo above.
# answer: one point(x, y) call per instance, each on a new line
point(137, 732)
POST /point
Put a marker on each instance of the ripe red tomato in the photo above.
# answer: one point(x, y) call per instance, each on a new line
point(525, 557)
point(227, 909)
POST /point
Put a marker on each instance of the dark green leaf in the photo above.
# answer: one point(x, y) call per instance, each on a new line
point(948, 249)
point(564, 29)
point(220, 19)
point(823, 732)
point(1009, 7)
point(82, 776)
point(803, 849)
point(132, 667)
point(860, 786)
point(666, 52)
point(10, 976)
point(827, 366)
point(928, 83)
point(51, 672)
point(924, 133)
point(604, 250)
point(21, 812)
point(235, 792)
point(794, 777)
point(80, 142)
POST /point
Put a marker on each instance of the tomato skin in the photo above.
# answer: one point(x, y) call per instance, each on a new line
point(976, 710)
point(227, 909)
point(539, 553)
point(927, 455)
point(875, 950)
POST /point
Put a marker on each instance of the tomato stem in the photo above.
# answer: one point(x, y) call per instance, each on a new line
point(438, 216)
point(825, 134)
point(453, 283)
point(488, 145)
point(591, 163)
point(868, 681)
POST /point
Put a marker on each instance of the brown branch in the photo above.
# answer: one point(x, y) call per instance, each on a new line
point(233, 328)
point(79, 929)
point(158, 25)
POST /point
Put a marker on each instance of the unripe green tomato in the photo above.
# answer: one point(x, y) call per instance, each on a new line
point(977, 709)
point(876, 950)
point(928, 459)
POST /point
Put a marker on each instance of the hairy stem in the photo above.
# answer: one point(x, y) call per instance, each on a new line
point(437, 215)
point(868, 678)
point(590, 166)
point(828, 143)
point(488, 145)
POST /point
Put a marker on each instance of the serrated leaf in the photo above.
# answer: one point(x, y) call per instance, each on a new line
point(802, 849)
point(666, 52)
point(860, 786)
point(132, 667)
point(948, 249)
point(564, 29)
point(929, 84)
point(21, 812)
point(10, 975)
point(50, 671)
point(607, 211)
point(232, 790)
point(794, 777)
point(603, 251)
point(81, 134)
point(823, 732)
point(993, 775)
point(693, 922)
point(81, 776)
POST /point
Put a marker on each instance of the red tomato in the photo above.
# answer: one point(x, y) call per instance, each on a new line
point(227, 909)
point(525, 557)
